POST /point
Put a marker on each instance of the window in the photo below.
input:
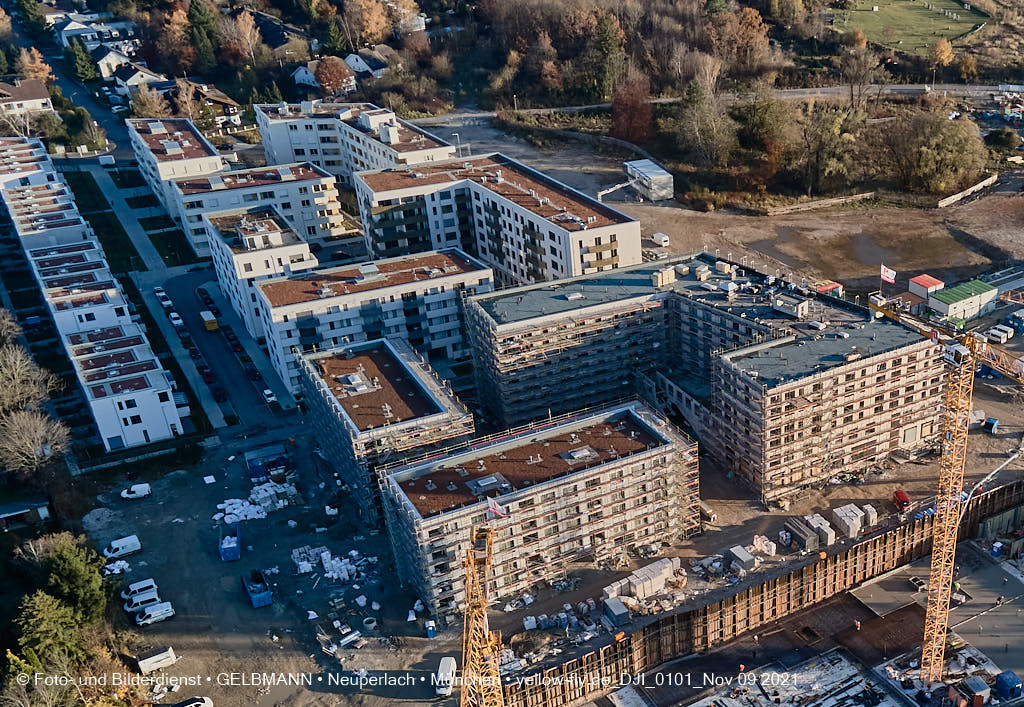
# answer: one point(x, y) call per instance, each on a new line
point(135, 419)
point(129, 404)
point(163, 396)
point(247, 267)
point(248, 198)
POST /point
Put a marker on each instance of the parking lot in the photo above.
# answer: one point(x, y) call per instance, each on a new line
point(216, 631)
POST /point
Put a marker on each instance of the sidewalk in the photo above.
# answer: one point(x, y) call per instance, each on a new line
point(126, 215)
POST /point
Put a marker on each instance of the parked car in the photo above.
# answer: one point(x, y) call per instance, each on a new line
point(137, 491)
point(140, 587)
point(236, 346)
point(195, 354)
point(141, 601)
point(230, 335)
point(175, 319)
point(268, 396)
point(252, 372)
point(901, 500)
point(214, 309)
point(219, 393)
point(152, 614)
point(122, 547)
point(194, 702)
point(206, 374)
point(162, 298)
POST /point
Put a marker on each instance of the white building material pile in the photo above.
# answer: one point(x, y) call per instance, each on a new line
point(848, 519)
point(763, 545)
point(646, 581)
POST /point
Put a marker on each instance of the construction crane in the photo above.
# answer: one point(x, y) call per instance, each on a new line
point(481, 679)
point(963, 353)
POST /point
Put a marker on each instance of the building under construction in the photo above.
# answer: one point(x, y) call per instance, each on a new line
point(785, 387)
point(580, 488)
point(376, 403)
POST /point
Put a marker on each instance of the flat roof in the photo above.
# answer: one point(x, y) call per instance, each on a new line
point(963, 291)
point(253, 177)
point(410, 137)
point(258, 228)
point(926, 280)
point(534, 455)
point(534, 191)
point(373, 386)
point(350, 279)
point(172, 139)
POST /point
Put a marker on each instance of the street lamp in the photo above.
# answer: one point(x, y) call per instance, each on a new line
point(458, 145)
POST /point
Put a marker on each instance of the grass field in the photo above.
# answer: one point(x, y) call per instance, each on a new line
point(88, 196)
point(127, 178)
point(117, 246)
point(173, 248)
point(910, 26)
point(156, 223)
point(142, 202)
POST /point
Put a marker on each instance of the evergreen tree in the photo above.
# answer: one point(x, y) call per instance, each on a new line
point(77, 58)
point(4, 66)
point(74, 571)
point(205, 60)
point(334, 42)
point(200, 17)
point(31, 16)
point(603, 57)
point(272, 94)
point(48, 626)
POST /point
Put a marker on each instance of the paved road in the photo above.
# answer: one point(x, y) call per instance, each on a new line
point(791, 94)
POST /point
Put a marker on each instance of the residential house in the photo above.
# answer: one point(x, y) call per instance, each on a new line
point(108, 60)
point(96, 29)
point(306, 76)
point(222, 106)
point(287, 42)
point(24, 97)
point(374, 62)
point(128, 78)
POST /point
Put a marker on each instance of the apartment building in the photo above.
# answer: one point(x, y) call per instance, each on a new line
point(582, 488)
point(125, 385)
point(305, 195)
point(688, 334)
point(417, 298)
point(168, 149)
point(250, 245)
point(527, 226)
point(344, 138)
point(45, 215)
point(376, 403)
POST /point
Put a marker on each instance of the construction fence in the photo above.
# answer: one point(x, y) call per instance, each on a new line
point(730, 612)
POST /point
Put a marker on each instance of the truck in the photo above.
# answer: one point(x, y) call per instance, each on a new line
point(209, 321)
point(258, 588)
point(230, 545)
point(900, 499)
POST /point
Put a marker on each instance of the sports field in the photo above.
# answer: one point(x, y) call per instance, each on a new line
point(910, 26)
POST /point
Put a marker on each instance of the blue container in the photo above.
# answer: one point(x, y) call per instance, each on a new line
point(230, 544)
point(563, 620)
point(1008, 685)
point(431, 629)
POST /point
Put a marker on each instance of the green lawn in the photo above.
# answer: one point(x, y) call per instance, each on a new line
point(173, 248)
point(156, 223)
point(127, 178)
point(910, 26)
point(119, 249)
point(142, 202)
point(87, 193)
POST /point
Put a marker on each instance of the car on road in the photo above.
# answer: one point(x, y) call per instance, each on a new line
point(225, 146)
point(268, 396)
point(219, 393)
point(175, 319)
point(251, 372)
point(194, 702)
point(206, 374)
point(137, 491)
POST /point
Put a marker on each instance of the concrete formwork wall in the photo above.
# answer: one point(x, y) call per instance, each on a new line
point(720, 620)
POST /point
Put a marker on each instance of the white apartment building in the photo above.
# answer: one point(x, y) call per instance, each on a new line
point(45, 215)
point(124, 384)
point(344, 138)
point(249, 245)
point(524, 224)
point(171, 148)
point(304, 194)
point(416, 297)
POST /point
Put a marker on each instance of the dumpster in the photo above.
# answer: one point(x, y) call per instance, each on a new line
point(230, 545)
point(258, 588)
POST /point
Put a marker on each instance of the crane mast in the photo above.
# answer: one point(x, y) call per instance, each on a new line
point(481, 679)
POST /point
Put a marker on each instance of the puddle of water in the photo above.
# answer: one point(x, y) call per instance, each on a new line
point(770, 247)
point(867, 251)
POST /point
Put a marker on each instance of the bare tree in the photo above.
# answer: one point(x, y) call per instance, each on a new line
point(185, 99)
point(147, 103)
point(28, 439)
point(17, 695)
point(23, 384)
point(10, 330)
point(860, 69)
point(332, 74)
point(247, 36)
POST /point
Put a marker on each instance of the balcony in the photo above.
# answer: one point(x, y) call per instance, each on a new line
point(603, 248)
point(604, 262)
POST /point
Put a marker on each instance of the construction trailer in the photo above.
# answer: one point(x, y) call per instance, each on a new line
point(650, 181)
point(587, 487)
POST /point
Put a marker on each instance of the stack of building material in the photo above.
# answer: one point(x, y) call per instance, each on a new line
point(826, 533)
point(870, 515)
point(616, 611)
point(741, 559)
point(271, 496)
point(646, 581)
point(848, 519)
point(763, 545)
point(804, 537)
point(234, 510)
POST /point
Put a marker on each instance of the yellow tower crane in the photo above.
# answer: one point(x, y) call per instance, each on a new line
point(963, 354)
point(481, 679)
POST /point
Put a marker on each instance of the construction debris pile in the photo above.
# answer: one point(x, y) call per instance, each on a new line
point(263, 499)
point(353, 567)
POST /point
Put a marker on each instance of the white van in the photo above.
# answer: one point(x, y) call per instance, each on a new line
point(142, 601)
point(140, 587)
point(152, 614)
point(660, 239)
point(445, 677)
point(122, 547)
